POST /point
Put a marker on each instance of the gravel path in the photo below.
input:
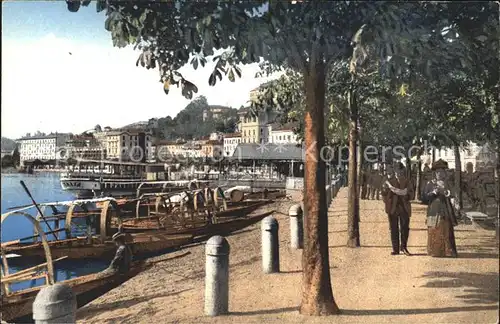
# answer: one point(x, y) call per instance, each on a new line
point(369, 284)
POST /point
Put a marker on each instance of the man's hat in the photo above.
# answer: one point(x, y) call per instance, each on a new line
point(440, 164)
point(118, 236)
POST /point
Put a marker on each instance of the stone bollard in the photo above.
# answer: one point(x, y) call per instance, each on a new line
point(270, 245)
point(55, 304)
point(328, 196)
point(296, 227)
point(216, 276)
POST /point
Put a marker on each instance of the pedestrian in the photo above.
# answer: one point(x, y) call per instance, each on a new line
point(441, 216)
point(396, 193)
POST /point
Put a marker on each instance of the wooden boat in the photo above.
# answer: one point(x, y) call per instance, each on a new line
point(177, 229)
point(17, 306)
point(174, 222)
point(89, 245)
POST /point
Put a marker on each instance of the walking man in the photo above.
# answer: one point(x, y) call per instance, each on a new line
point(396, 193)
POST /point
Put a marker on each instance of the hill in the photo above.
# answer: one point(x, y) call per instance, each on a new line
point(198, 119)
point(8, 144)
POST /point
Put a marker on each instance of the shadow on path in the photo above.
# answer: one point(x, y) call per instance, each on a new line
point(266, 311)
point(414, 311)
point(480, 288)
point(99, 308)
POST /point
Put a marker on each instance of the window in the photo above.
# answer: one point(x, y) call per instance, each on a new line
point(289, 137)
point(261, 130)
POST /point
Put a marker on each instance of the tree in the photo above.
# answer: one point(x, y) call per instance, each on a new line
point(306, 37)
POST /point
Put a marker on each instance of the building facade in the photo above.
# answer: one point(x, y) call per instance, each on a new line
point(231, 141)
point(127, 145)
point(282, 134)
point(41, 147)
point(85, 147)
point(253, 126)
point(212, 149)
point(481, 157)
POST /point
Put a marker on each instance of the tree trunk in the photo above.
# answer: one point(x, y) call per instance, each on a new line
point(353, 190)
point(317, 295)
point(458, 175)
point(418, 176)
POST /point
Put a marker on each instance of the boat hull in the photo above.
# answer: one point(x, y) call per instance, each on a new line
point(139, 225)
point(18, 307)
point(154, 242)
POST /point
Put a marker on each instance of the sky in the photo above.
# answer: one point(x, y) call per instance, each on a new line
point(47, 89)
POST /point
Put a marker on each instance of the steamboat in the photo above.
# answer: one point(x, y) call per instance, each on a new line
point(93, 178)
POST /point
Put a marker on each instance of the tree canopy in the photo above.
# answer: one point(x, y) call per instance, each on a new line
point(310, 38)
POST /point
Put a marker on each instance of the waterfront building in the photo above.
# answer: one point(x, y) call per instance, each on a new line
point(123, 144)
point(41, 147)
point(212, 149)
point(84, 146)
point(231, 141)
point(282, 134)
point(253, 125)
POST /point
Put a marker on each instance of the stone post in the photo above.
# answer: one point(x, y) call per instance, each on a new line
point(55, 304)
point(216, 276)
point(270, 245)
point(296, 227)
point(328, 196)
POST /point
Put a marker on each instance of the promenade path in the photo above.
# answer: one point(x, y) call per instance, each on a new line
point(369, 284)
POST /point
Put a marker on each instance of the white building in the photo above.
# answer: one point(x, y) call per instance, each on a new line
point(41, 147)
point(282, 134)
point(231, 141)
point(479, 156)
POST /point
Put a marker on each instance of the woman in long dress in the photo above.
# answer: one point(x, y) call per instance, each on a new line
point(440, 214)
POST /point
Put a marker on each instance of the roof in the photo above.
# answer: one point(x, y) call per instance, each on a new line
point(43, 136)
point(281, 128)
point(268, 151)
point(232, 135)
point(212, 142)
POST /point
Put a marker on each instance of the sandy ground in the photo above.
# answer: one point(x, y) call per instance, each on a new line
point(369, 284)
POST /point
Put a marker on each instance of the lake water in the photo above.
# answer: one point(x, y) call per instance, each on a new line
point(44, 187)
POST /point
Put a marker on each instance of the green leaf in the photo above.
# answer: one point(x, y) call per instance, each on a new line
point(107, 23)
point(212, 79)
point(73, 5)
point(231, 75)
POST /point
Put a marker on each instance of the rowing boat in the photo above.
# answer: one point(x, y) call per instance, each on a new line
point(17, 306)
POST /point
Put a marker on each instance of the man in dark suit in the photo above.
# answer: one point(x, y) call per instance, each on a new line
point(397, 191)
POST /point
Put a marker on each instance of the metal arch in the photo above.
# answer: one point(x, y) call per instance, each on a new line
point(45, 244)
point(106, 218)
point(67, 221)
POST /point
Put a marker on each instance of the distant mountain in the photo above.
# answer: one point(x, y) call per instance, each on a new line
point(8, 144)
point(198, 119)
point(140, 124)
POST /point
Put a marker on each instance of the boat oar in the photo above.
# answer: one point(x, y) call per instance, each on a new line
point(38, 208)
